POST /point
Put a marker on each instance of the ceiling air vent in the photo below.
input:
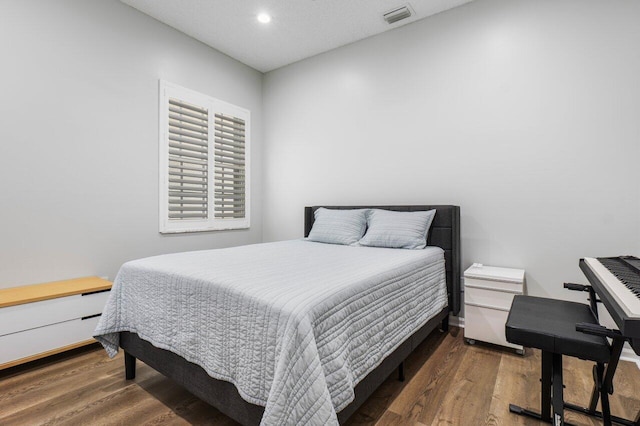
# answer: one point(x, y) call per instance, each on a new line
point(397, 14)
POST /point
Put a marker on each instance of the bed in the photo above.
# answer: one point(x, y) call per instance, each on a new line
point(324, 338)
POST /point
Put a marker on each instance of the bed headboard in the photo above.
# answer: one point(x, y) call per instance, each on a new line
point(444, 233)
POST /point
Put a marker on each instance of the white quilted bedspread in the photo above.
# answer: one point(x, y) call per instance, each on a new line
point(295, 325)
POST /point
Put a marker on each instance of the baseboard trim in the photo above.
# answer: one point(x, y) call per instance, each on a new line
point(456, 321)
point(629, 355)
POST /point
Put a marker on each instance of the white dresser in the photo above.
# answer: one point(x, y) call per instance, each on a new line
point(44, 319)
point(488, 293)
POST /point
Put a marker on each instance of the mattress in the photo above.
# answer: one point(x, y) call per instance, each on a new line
point(294, 325)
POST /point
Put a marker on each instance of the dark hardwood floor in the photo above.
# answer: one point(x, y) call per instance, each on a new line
point(447, 383)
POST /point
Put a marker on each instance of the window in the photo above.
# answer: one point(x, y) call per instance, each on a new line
point(204, 168)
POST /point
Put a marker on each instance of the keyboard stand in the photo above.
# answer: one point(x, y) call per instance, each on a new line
point(603, 378)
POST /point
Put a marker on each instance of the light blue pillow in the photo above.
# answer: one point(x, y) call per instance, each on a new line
point(338, 226)
point(397, 229)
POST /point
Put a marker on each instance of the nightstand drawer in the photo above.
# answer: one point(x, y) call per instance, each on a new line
point(486, 325)
point(488, 298)
point(516, 288)
point(18, 318)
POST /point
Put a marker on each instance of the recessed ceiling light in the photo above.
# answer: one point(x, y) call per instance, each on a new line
point(264, 18)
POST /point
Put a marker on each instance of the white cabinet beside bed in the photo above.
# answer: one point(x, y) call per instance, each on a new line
point(44, 319)
point(488, 293)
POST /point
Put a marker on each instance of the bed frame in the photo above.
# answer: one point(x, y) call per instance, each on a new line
point(444, 233)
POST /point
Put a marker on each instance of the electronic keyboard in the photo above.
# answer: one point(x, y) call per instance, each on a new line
point(616, 280)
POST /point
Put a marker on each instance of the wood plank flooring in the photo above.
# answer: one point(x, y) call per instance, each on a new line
point(447, 383)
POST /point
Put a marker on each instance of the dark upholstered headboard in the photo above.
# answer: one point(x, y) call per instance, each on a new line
point(444, 233)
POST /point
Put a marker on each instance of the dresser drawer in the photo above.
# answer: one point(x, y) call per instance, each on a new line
point(27, 316)
point(488, 298)
point(486, 325)
point(35, 341)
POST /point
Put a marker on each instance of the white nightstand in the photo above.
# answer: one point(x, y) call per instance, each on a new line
point(488, 293)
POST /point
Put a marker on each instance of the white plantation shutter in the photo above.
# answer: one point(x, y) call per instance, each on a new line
point(188, 161)
point(203, 162)
point(230, 167)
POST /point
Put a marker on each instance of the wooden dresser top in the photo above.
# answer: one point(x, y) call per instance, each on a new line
point(37, 292)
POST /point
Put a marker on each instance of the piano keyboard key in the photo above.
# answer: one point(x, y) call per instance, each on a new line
point(624, 271)
point(620, 281)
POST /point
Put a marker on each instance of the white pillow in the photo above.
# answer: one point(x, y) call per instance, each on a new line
point(338, 226)
point(397, 229)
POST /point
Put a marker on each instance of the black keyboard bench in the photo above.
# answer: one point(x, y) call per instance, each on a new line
point(558, 328)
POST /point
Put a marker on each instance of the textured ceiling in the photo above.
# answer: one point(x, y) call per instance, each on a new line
point(299, 28)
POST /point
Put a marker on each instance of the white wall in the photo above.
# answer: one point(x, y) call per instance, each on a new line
point(79, 136)
point(524, 113)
